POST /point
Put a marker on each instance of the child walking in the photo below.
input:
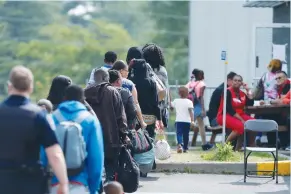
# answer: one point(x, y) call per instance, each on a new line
point(184, 118)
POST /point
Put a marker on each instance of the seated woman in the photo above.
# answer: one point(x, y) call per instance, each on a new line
point(235, 116)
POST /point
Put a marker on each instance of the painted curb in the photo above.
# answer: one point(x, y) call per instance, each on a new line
point(222, 167)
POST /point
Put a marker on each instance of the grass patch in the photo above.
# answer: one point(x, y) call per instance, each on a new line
point(223, 153)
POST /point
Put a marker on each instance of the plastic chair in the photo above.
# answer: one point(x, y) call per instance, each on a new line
point(260, 125)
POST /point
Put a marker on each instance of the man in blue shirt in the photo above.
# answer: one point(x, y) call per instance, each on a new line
point(24, 129)
point(109, 59)
point(91, 176)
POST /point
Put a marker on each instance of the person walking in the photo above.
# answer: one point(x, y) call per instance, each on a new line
point(73, 110)
point(115, 80)
point(184, 118)
point(21, 141)
point(107, 104)
point(109, 58)
point(122, 67)
point(198, 87)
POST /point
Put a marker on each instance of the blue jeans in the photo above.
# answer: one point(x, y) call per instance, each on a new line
point(183, 129)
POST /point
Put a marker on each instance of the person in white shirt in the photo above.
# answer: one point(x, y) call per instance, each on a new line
point(184, 118)
point(109, 59)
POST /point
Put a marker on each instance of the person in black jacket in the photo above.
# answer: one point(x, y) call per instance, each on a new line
point(215, 100)
point(147, 95)
point(115, 80)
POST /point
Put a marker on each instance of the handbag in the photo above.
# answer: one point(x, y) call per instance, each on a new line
point(140, 140)
point(127, 172)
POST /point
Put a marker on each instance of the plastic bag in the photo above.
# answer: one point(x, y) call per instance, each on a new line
point(162, 147)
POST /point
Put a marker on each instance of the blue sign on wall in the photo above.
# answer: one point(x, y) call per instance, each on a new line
point(223, 55)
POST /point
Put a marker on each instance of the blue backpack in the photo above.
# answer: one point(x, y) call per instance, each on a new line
point(71, 140)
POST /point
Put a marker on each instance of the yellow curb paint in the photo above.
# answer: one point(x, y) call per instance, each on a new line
point(283, 168)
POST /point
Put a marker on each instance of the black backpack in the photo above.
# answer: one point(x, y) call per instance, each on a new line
point(127, 171)
point(193, 97)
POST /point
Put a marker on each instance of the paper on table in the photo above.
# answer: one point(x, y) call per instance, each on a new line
point(279, 52)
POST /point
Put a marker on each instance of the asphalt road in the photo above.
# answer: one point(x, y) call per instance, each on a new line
point(159, 183)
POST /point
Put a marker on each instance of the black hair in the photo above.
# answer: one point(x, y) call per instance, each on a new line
point(110, 57)
point(100, 75)
point(237, 75)
point(113, 76)
point(154, 56)
point(74, 92)
point(231, 75)
point(198, 74)
point(134, 53)
point(283, 72)
point(146, 45)
point(57, 89)
point(119, 65)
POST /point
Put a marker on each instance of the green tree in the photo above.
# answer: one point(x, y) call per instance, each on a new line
point(72, 50)
point(172, 18)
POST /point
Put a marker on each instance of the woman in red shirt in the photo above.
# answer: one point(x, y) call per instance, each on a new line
point(235, 116)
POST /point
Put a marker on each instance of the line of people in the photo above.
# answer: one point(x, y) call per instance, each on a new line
point(82, 130)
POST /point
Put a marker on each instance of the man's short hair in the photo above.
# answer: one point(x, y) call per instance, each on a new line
point(21, 78)
point(100, 75)
point(283, 72)
point(183, 91)
point(74, 92)
point(110, 57)
point(231, 75)
point(113, 76)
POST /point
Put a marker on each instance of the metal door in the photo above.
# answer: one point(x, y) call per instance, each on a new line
point(264, 37)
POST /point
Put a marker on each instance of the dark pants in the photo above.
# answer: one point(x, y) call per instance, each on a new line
point(20, 183)
point(183, 130)
point(151, 130)
point(111, 166)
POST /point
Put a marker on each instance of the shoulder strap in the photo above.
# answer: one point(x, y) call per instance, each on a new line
point(82, 116)
point(59, 116)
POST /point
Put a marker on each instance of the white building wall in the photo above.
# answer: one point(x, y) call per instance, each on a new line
point(218, 25)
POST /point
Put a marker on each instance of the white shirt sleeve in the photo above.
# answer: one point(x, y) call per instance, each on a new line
point(91, 79)
point(190, 104)
point(173, 104)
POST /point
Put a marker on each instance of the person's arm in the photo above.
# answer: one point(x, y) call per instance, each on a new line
point(190, 109)
point(95, 157)
point(131, 108)
point(53, 151)
point(138, 110)
point(286, 100)
point(202, 89)
point(119, 112)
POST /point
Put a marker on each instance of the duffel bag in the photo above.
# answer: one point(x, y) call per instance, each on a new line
point(128, 171)
point(140, 140)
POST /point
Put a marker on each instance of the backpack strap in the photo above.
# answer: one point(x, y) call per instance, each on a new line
point(59, 116)
point(82, 116)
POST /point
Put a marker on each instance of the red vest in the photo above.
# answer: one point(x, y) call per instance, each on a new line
point(237, 104)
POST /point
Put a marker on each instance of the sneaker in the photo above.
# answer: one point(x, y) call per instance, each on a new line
point(207, 147)
point(288, 148)
point(185, 151)
point(179, 149)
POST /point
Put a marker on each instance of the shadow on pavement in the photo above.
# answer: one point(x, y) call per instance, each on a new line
point(149, 179)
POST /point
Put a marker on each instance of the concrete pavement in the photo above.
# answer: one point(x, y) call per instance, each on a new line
point(160, 183)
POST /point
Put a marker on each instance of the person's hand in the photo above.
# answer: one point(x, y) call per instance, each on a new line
point(262, 102)
point(127, 140)
point(143, 125)
point(159, 125)
point(276, 101)
point(246, 87)
point(63, 189)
